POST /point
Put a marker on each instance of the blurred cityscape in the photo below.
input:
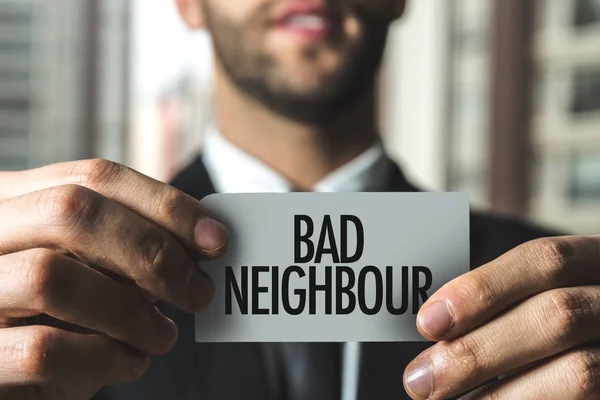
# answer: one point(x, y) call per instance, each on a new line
point(63, 81)
point(500, 98)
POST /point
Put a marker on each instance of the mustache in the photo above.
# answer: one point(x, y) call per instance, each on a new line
point(336, 8)
point(373, 13)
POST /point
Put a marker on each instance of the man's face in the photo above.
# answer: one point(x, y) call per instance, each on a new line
point(304, 59)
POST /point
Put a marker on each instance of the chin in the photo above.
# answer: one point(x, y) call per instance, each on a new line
point(302, 84)
point(305, 79)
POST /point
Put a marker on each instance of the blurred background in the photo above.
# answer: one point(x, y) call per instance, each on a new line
point(500, 98)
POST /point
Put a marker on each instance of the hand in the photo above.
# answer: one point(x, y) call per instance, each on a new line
point(531, 319)
point(89, 245)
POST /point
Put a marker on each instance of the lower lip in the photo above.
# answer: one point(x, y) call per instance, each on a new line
point(310, 34)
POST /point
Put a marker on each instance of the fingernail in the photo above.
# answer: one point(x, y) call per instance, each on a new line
point(419, 379)
point(201, 290)
point(139, 363)
point(437, 319)
point(210, 235)
point(166, 331)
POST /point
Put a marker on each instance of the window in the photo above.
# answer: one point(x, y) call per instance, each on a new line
point(15, 105)
point(13, 163)
point(8, 48)
point(586, 91)
point(585, 178)
point(15, 75)
point(14, 13)
point(13, 132)
point(587, 12)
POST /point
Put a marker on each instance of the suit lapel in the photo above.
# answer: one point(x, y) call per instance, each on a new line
point(221, 370)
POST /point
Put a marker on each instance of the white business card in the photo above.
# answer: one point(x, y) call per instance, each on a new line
point(331, 267)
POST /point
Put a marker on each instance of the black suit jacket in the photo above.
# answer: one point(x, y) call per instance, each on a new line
point(194, 371)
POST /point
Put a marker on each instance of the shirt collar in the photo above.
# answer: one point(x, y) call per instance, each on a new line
point(234, 171)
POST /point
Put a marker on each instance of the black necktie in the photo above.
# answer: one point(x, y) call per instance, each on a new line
point(311, 371)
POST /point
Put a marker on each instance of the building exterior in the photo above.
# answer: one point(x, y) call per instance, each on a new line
point(566, 129)
point(16, 22)
point(63, 81)
point(468, 102)
point(517, 91)
point(436, 94)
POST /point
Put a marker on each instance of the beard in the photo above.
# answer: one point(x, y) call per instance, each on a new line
point(259, 75)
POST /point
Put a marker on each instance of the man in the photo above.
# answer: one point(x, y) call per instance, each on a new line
point(86, 247)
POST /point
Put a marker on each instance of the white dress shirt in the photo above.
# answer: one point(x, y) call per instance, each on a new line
point(233, 171)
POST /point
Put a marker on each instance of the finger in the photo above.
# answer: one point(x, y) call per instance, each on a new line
point(45, 282)
point(537, 266)
point(39, 355)
point(175, 212)
point(540, 327)
point(571, 376)
point(104, 234)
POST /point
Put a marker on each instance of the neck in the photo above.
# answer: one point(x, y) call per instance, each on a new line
point(302, 153)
